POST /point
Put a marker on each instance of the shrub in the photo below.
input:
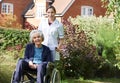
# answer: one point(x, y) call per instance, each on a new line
point(13, 39)
point(103, 33)
point(79, 58)
point(108, 70)
point(29, 26)
point(9, 21)
point(88, 44)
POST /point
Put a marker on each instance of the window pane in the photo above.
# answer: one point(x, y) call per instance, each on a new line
point(83, 11)
point(90, 12)
point(3, 8)
point(86, 11)
point(40, 10)
point(7, 8)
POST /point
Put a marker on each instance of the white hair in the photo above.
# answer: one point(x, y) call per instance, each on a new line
point(34, 32)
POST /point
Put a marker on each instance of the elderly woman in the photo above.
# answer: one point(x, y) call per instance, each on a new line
point(35, 59)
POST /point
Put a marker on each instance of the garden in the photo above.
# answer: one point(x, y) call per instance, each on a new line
point(90, 51)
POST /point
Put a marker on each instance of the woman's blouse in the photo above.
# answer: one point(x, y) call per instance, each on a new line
point(51, 32)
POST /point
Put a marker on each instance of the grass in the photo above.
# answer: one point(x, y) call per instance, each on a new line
point(96, 80)
point(7, 66)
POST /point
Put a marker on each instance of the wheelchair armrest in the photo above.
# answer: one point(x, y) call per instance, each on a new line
point(50, 65)
point(49, 68)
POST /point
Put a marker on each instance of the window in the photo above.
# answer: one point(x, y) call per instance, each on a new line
point(7, 8)
point(40, 10)
point(86, 11)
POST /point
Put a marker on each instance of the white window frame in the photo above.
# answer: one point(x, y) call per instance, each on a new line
point(40, 10)
point(86, 11)
point(7, 8)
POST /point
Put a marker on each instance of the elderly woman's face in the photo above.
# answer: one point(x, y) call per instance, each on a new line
point(37, 39)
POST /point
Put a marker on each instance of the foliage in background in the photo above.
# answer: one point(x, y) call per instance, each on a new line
point(113, 7)
point(82, 40)
point(101, 33)
point(9, 21)
point(29, 26)
point(13, 39)
point(80, 59)
point(117, 45)
point(5, 76)
point(8, 62)
point(89, 45)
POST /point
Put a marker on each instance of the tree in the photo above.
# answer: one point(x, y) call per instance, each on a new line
point(113, 7)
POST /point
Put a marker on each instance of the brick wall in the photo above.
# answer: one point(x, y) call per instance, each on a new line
point(75, 9)
point(19, 7)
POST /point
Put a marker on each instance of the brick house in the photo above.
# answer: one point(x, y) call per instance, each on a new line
point(15, 7)
point(33, 10)
point(79, 7)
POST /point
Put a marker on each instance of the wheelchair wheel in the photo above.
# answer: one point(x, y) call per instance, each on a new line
point(12, 78)
point(23, 79)
point(55, 78)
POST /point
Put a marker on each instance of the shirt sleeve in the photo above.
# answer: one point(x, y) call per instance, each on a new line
point(27, 54)
point(26, 57)
point(61, 31)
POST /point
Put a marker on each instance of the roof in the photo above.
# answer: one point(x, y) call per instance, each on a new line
point(29, 11)
point(62, 6)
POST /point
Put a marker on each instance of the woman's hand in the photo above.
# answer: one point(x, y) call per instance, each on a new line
point(31, 65)
point(57, 49)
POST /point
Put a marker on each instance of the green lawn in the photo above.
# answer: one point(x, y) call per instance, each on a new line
point(96, 80)
point(7, 66)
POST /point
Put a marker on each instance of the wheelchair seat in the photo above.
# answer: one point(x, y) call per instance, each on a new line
point(52, 75)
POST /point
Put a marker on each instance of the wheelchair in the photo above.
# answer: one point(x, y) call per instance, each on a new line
point(52, 75)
